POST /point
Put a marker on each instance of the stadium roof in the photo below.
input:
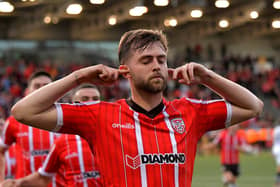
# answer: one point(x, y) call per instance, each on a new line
point(27, 19)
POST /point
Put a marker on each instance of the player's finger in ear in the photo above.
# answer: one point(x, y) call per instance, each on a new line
point(175, 73)
point(185, 75)
point(170, 72)
point(190, 72)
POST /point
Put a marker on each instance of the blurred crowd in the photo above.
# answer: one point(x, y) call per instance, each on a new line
point(257, 74)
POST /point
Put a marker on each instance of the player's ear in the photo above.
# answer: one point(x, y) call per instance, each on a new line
point(124, 70)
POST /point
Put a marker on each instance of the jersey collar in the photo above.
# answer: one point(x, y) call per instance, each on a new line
point(151, 114)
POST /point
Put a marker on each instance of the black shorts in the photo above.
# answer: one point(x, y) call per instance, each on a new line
point(233, 168)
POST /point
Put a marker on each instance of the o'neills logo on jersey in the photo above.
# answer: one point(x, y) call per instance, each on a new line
point(143, 159)
point(123, 126)
point(21, 134)
point(39, 152)
point(178, 125)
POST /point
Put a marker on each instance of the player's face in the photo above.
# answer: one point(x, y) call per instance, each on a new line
point(37, 83)
point(86, 94)
point(148, 68)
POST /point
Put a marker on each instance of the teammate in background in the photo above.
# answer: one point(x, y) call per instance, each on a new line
point(34, 143)
point(144, 140)
point(10, 157)
point(70, 156)
point(231, 143)
point(10, 162)
point(276, 153)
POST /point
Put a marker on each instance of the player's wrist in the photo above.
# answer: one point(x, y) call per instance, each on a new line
point(78, 77)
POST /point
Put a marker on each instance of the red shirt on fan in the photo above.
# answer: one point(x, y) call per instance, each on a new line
point(229, 146)
point(71, 158)
point(133, 147)
point(10, 162)
point(34, 145)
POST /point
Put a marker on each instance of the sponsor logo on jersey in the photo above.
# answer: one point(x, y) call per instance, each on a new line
point(87, 175)
point(71, 155)
point(39, 152)
point(178, 125)
point(144, 159)
point(123, 126)
point(21, 134)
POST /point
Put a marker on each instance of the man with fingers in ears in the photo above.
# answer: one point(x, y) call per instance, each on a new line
point(143, 140)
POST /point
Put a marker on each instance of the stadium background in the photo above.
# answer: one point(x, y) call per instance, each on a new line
point(244, 47)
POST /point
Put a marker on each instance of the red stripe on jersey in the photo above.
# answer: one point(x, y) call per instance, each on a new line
point(132, 149)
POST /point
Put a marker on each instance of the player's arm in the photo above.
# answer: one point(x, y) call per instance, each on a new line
point(2, 163)
point(214, 143)
point(209, 146)
point(245, 104)
point(38, 110)
point(32, 180)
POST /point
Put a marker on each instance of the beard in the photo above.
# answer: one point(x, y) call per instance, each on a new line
point(152, 85)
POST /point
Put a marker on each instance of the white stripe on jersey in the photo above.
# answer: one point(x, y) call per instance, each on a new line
point(81, 158)
point(59, 121)
point(229, 114)
point(174, 147)
point(204, 101)
point(9, 164)
point(31, 148)
point(86, 103)
point(121, 138)
point(51, 142)
point(53, 182)
point(51, 138)
point(42, 169)
point(140, 149)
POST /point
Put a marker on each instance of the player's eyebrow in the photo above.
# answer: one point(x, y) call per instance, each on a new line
point(151, 56)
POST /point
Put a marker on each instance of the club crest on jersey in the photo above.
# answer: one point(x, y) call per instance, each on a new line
point(178, 125)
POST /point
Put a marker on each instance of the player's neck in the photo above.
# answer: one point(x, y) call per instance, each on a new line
point(146, 100)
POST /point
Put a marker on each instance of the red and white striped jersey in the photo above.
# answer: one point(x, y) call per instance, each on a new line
point(10, 162)
point(34, 145)
point(71, 158)
point(229, 146)
point(133, 147)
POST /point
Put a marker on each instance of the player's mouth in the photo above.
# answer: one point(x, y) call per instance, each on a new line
point(158, 76)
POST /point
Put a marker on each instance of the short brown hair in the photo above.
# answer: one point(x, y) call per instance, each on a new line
point(38, 73)
point(86, 85)
point(139, 39)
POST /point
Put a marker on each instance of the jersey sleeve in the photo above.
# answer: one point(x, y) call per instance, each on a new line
point(211, 115)
point(78, 118)
point(51, 164)
point(8, 136)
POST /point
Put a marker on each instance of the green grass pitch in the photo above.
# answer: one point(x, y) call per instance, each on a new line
point(256, 171)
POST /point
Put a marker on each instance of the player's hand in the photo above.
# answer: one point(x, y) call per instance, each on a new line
point(98, 74)
point(9, 183)
point(190, 73)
